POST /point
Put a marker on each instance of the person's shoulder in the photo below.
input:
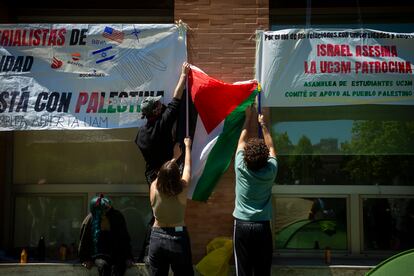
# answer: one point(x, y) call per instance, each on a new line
point(239, 164)
point(174, 103)
point(239, 154)
point(142, 132)
point(87, 219)
point(115, 212)
point(272, 164)
point(175, 100)
point(272, 159)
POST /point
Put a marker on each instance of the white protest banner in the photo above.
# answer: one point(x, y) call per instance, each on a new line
point(316, 67)
point(85, 76)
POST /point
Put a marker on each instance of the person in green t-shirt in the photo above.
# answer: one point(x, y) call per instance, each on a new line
point(255, 168)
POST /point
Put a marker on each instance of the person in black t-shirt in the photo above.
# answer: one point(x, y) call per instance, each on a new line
point(155, 139)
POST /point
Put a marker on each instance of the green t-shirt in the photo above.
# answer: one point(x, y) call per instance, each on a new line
point(254, 190)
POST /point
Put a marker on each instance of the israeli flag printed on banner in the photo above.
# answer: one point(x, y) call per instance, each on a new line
point(103, 54)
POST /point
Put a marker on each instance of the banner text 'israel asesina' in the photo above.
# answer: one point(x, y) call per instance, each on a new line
point(323, 67)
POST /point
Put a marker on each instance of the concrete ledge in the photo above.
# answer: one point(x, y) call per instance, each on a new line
point(61, 269)
point(42, 269)
point(333, 270)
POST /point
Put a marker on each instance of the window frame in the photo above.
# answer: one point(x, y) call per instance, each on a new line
point(296, 15)
point(85, 191)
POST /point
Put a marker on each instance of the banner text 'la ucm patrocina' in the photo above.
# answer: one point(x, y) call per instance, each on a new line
point(325, 68)
point(85, 76)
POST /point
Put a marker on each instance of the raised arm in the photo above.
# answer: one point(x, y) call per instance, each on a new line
point(177, 151)
point(169, 116)
point(244, 135)
point(187, 162)
point(266, 136)
point(178, 92)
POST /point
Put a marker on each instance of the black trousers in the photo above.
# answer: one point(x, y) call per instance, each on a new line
point(170, 246)
point(106, 267)
point(253, 248)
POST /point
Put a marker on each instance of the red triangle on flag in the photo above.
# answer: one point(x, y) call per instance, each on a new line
point(214, 99)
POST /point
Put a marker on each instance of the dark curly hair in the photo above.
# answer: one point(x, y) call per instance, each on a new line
point(256, 154)
point(169, 179)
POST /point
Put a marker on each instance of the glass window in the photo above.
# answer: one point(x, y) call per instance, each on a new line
point(90, 157)
point(366, 130)
point(388, 223)
point(137, 212)
point(345, 145)
point(389, 170)
point(310, 223)
point(57, 218)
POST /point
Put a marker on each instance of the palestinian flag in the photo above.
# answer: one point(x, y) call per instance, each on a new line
point(220, 108)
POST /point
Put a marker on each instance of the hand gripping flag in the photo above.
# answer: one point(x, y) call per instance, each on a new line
point(220, 108)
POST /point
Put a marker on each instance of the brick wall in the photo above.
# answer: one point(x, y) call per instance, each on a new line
point(220, 42)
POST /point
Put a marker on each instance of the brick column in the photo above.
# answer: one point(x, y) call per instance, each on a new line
point(221, 43)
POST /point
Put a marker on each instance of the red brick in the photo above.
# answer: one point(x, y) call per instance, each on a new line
point(245, 11)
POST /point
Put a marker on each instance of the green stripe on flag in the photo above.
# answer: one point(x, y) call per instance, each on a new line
point(220, 156)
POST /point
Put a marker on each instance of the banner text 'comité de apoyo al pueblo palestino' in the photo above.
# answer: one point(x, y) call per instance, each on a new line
point(316, 67)
point(85, 76)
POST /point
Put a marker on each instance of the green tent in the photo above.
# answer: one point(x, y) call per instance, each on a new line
point(401, 264)
point(305, 234)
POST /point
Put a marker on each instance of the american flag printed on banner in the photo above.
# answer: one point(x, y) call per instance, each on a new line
point(113, 34)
